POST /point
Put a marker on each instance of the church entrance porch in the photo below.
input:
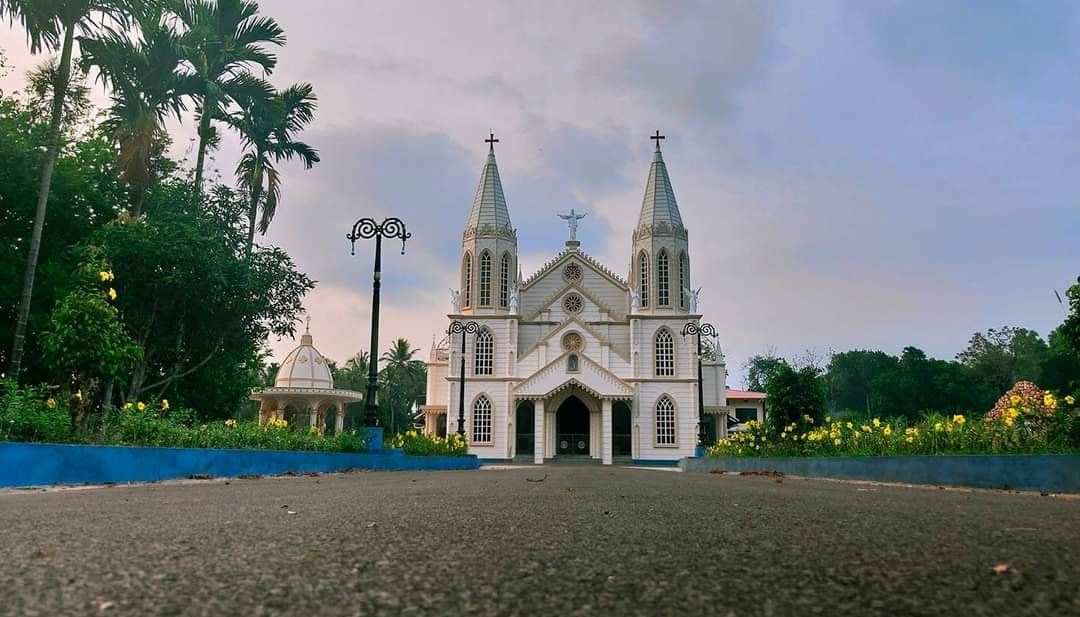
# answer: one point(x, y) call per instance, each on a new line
point(572, 428)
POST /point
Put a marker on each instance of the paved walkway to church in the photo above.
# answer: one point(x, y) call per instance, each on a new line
point(583, 541)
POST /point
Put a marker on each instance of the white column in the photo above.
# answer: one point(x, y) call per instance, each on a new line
point(605, 431)
point(552, 424)
point(339, 419)
point(313, 417)
point(594, 437)
point(538, 433)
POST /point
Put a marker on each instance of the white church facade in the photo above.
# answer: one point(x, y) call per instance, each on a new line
point(576, 360)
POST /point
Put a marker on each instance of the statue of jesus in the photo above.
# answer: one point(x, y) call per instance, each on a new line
point(571, 220)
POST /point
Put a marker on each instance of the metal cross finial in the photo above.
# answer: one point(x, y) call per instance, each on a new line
point(657, 137)
point(491, 141)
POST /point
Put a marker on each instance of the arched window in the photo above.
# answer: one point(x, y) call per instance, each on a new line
point(485, 279)
point(466, 280)
point(665, 421)
point(504, 280)
point(481, 420)
point(643, 278)
point(484, 353)
point(664, 353)
point(684, 278)
point(663, 278)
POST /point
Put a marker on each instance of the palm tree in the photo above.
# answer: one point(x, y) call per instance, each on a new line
point(223, 40)
point(267, 130)
point(52, 24)
point(403, 380)
point(147, 87)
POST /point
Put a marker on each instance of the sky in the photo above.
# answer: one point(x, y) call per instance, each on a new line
point(852, 174)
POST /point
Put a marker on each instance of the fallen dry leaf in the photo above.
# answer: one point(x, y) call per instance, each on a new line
point(1001, 568)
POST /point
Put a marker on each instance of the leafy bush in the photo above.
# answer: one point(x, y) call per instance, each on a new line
point(156, 425)
point(420, 444)
point(30, 414)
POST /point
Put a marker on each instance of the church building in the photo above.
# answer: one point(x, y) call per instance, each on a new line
point(576, 360)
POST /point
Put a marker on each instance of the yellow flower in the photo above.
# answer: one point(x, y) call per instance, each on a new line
point(51, 404)
point(1069, 400)
point(1012, 413)
point(1049, 401)
point(836, 442)
point(877, 422)
point(141, 406)
point(938, 427)
point(866, 429)
point(888, 430)
point(1014, 399)
point(111, 293)
point(230, 423)
point(828, 418)
point(959, 419)
point(1010, 421)
point(103, 275)
point(850, 426)
point(910, 439)
point(165, 404)
point(128, 406)
point(78, 395)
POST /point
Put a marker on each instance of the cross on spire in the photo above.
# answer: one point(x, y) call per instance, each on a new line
point(307, 324)
point(657, 137)
point(491, 141)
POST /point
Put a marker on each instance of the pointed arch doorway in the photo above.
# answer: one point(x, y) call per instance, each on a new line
point(572, 428)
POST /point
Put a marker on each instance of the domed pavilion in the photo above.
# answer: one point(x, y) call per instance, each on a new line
point(303, 391)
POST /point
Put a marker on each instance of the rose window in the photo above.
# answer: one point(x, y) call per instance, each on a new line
point(572, 272)
point(573, 303)
point(572, 341)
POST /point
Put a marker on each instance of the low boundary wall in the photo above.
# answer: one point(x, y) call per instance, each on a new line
point(1057, 473)
point(37, 464)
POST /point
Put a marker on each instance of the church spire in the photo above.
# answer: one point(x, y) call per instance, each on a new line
point(659, 205)
point(489, 204)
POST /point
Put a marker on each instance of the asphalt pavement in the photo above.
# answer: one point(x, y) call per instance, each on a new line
point(552, 540)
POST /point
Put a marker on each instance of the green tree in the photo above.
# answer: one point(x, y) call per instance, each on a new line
point(147, 87)
point(403, 382)
point(760, 370)
point(1070, 330)
point(353, 375)
point(49, 25)
point(792, 394)
point(850, 375)
point(224, 40)
point(85, 194)
point(268, 131)
point(1001, 357)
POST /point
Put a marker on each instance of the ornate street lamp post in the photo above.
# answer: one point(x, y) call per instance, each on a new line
point(462, 328)
point(707, 329)
point(364, 229)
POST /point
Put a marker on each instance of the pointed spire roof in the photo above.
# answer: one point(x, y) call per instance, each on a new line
point(489, 204)
point(658, 205)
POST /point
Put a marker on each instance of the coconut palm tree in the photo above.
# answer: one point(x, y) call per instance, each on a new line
point(147, 84)
point(403, 380)
point(223, 41)
point(267, 129)
point(52, 25)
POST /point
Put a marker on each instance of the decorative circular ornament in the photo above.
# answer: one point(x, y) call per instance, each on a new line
point(573, 303)
point(581, 445)
point(572, 272)
point(302, 359)
point(572, 341)
point(563, 444)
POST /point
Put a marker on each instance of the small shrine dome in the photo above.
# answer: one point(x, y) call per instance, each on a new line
point(304, 392)
point(304, 367)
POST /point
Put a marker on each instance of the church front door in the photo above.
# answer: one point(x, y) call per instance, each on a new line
point(572, 427)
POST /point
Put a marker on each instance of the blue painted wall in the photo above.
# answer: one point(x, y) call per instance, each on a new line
point(1057, 473)
point(33, 464)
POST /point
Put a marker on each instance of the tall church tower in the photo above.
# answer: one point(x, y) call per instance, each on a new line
point(489, 247)
point(660, 260)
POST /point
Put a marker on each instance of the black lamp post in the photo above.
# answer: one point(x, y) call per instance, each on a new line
point(362, 230)
point(708, 330)
point(462, 328)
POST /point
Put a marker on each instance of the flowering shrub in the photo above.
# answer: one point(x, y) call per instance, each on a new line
point(33, 414)
point(1033, 421)
point(420, 444)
